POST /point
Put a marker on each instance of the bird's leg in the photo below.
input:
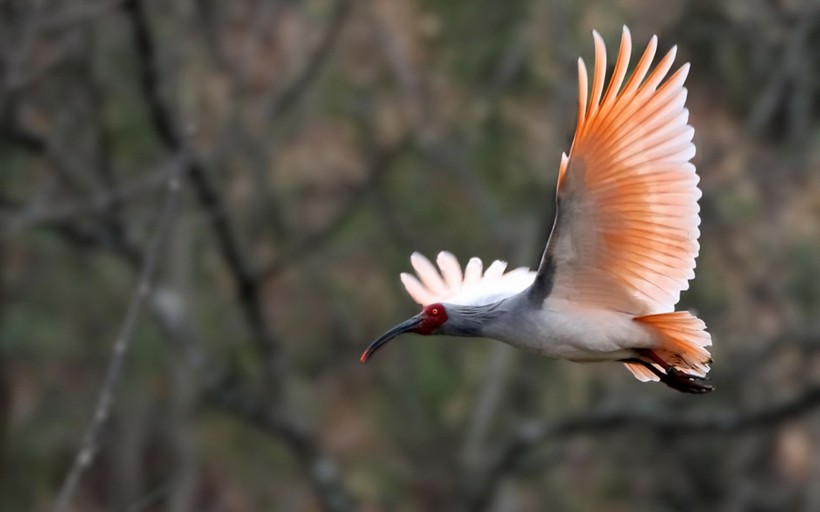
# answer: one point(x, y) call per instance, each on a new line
point(671, 376)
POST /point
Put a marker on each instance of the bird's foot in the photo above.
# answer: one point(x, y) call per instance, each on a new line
point(684, 382)
point(671, 376)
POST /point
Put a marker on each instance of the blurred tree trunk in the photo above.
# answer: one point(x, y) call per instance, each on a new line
point(5, 389)
point(184, 390)
point(132, 440)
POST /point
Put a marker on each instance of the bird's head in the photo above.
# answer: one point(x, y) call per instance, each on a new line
point(429, 321)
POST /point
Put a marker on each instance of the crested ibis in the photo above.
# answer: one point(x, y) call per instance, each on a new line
point(622, 247)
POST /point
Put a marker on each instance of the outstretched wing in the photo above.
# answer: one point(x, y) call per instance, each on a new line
point(473, 286)
point(626, 232)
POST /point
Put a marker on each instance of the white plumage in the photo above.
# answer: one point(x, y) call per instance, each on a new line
point(472, 287)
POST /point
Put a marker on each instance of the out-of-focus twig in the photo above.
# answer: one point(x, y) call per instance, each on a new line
point(108, 234)
point(792, 66)
point(290, 95)
point(22, 70)
point(39, 145)
point(246, 280)
point(380, 163)
point(5, 387)
point(74, 15)
point(102, 409)
point(490, 398)
point(615, 418)
point(320, 470)
point(452, 158)
point(22, 138)
point(96, 205)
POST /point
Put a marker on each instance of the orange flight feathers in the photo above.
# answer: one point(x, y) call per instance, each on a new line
point(626, 234)
point(683, 340)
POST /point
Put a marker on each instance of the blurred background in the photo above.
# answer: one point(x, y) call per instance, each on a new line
point(317, 144)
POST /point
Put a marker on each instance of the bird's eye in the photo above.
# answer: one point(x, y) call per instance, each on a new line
point(434, 311)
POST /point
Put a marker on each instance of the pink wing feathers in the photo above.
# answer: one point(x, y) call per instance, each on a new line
point(626, 235)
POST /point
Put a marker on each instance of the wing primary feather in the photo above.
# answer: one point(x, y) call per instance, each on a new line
point(674, 118)
point(647, 88)
point(634, 82)
point(621, 65)
point(641, 68)
point(671, 96)
point(659, 149)
point(598, 74)
point(634, 111)
point(618, 75)
point(583, 87)
point(660, 71)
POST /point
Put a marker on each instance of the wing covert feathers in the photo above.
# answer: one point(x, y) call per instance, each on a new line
point(472, 286)
point(626, 235)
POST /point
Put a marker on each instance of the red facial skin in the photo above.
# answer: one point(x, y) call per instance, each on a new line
point(434, 316)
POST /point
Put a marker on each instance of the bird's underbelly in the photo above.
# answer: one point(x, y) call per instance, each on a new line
point(583, 335)
point(573, 352)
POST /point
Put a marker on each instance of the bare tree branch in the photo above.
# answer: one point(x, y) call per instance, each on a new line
point(615, 418)
point(246, 280)
point(319, 469)
point(102, 410)
point(792, 67)
point(379, 165)
point(96, 205)
point(108, 234)
point(290, 96)
point(75, 15)
point(5, 384)
point(21, 69)
point(487, 404)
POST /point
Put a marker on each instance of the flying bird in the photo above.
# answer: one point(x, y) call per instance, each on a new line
point(622, 247)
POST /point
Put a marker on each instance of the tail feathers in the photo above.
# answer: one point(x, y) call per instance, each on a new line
point(641, 372)
point(682, 342)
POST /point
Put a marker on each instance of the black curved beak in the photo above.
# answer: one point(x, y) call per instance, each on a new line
point(408, 326)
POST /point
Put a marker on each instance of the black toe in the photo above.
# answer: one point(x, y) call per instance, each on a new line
point(686, 383)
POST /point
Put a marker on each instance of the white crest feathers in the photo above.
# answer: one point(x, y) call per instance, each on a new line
point(472, 286)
